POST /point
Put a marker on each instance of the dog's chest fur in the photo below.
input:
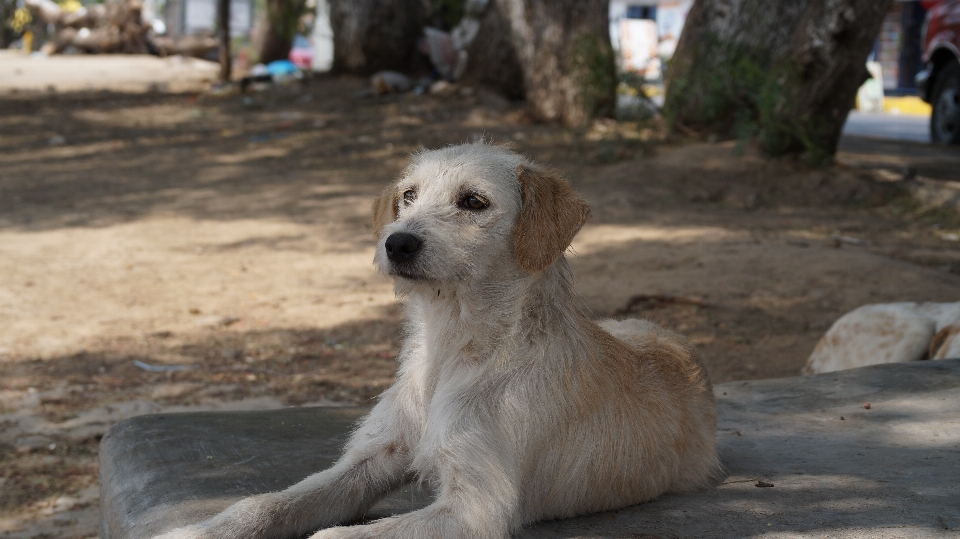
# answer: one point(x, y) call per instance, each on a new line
point(456, 361)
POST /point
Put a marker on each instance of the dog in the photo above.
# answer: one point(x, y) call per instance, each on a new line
point(510, 403)
point(888, 333)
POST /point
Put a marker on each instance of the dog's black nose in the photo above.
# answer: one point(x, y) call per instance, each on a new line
point(402, 247)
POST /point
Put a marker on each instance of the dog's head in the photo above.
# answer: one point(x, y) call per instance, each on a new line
point(473, 211)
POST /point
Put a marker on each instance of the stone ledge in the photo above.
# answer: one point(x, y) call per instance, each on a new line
point(889, 471)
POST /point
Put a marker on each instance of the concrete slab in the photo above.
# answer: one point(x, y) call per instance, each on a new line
point(837, 469)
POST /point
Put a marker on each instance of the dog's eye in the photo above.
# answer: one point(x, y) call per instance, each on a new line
point(473, 202)
point(409, 196)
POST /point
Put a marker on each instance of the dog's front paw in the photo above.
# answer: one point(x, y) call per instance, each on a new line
point(428, 523)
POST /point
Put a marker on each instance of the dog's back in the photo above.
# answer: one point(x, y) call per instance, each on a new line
point(686, 390)
point(644, 423)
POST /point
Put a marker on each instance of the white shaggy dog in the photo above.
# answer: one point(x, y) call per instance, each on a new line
point(888, 333)
point(510, 402)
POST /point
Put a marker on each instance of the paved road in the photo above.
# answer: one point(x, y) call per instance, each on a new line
point(884, 125)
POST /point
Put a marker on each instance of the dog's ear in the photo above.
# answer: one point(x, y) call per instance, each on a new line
point(939, 340)
point(551, 214)
point(385, 208)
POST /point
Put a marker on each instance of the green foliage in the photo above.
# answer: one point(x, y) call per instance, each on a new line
point(594, 71)
point(738, 91)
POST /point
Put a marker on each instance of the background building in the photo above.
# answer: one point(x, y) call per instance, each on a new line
point(645, 33)
point(898, 48)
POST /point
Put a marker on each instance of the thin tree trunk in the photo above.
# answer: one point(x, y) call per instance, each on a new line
point(7, 7)
point(784, 72)
point(564, 51)
point(223, 28)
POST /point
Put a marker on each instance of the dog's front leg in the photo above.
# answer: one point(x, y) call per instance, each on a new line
point(374, 462)
point(478, 499)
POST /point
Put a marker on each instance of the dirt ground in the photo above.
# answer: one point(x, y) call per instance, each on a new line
point(180, 252)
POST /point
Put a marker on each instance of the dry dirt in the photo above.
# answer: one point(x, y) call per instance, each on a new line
point(176, 252)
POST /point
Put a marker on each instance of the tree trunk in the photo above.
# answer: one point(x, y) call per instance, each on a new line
point(491, 59)
point(565, 53)
point(7, 35)
point(282, 19)
point(223, 28)
point(374, 35)
point(785, 72)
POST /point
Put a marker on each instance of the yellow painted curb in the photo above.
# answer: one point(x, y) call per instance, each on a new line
point(912, 105)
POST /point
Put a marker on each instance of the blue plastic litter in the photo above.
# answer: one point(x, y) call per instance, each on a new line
point(282, 67)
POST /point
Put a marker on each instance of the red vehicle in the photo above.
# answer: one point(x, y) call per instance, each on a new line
point(939, 82)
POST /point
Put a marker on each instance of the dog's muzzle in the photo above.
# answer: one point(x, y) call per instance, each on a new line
point(402, 247)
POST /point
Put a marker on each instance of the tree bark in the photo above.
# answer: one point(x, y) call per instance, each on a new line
point(491, 59)
point(563, 47)
point(375, 35)
point(223, 28)
point(7, 7)
point(282, 18)
point(785, 72)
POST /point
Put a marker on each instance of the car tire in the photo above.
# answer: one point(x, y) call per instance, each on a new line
point(945, 118)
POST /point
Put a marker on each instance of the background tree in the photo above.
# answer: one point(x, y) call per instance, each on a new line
point(564, 52)
point(282, 21)
point(492, 61)
point(556, 53)
point(223, 29)
point(786, 73)
point(373, 35)
point(7, 34)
